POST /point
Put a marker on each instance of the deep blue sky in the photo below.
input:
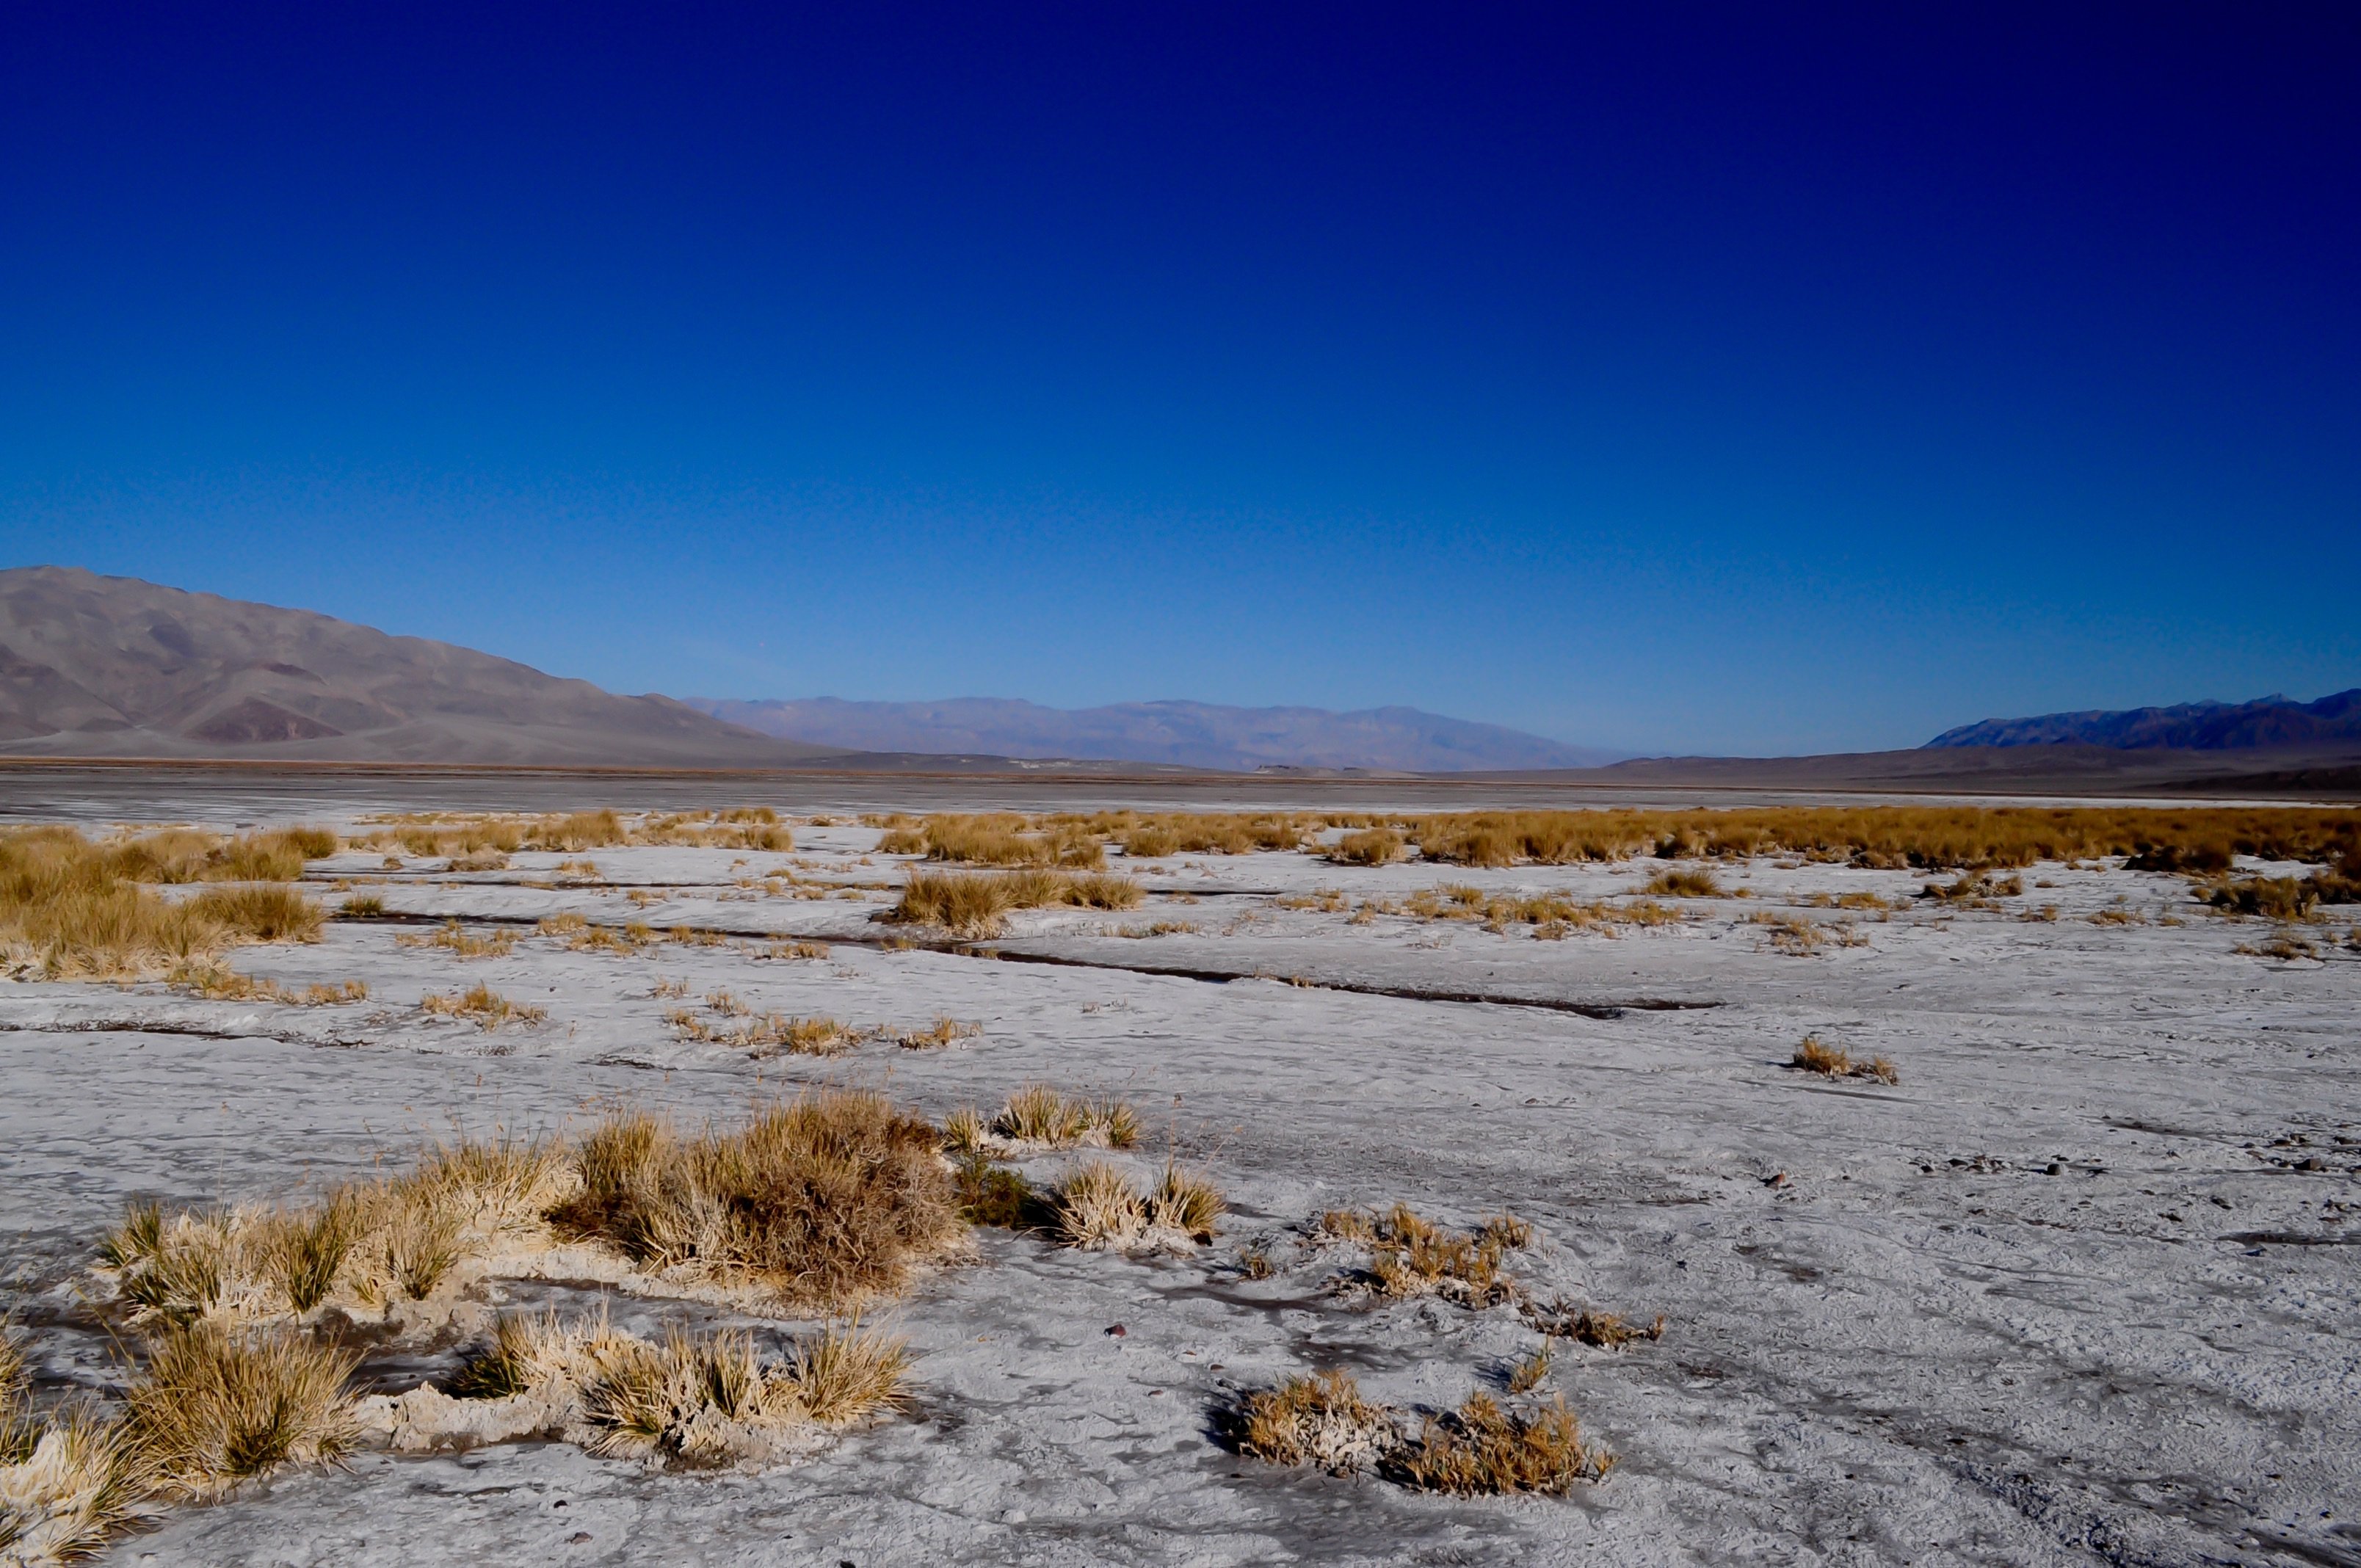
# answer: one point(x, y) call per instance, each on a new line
point(1715, 380)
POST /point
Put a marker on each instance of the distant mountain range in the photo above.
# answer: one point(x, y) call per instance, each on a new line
point(2267, 722)
point(1190, 734)
point(113, 666)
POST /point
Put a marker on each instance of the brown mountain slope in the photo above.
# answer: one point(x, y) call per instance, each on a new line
point(113, 666)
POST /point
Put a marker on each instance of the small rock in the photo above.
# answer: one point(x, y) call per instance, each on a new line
point(2056, 1168)
point(578, 1538)
point(1115, 1331)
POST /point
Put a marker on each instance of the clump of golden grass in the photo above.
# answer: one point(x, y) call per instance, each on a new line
point(1370, 846)
point(1098, 1206)
point(1414, 1256)
point(1553, 915)
point(964, 1131)
point(1482, 1450)
point(1327, 900)
point(1158, 928)
point(765, 1035)
point(216, 982)
point(1040, 1115)
point(66, 1481)
point(694, 1400)
point(1844, 901)
point(1897, 837)
point(366, 1245)
point(828, 1198)
point(941, 1032)
point(1831, 1061)
point(1005, 839)
point(215, 1407)
point(457, 940)
point(2284, 946)
point(800, 950)
point(68, 910)
point(2274, 898)
point(488, 1007)
point(1682, 882)
point(1790, 934)
point(971, 903)
point(1320, 1420)
point(362, 906)
point(1974, 890)
point(2118, 914)
point(1560, 1318)
point(1529, 1373)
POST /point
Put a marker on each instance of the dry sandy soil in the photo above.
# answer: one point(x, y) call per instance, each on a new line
point(2079, 1289)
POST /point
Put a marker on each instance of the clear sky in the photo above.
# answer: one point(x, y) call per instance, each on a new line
point(1678, 377)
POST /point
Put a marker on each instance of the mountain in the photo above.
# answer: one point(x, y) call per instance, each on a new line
point(2269, 722)
point(113, 666)
point(1189, 734)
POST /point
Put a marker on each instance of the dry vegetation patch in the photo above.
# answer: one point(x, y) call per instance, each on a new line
point(1831, 1061)
point(456, 939)
point(974, 903)
point(69, 908)
point(1480, 1449)
point(481, 1005)
point(830, 1199)
point(1042, 1117)
point(217, 982)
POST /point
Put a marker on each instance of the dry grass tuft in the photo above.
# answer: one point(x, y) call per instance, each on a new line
point(1791, 934)
point(1098, 1206)
point(454, 940)
point(1317, 1419)
point(216, 1407)
point(1004, 840)
point(1829, 1061)
point(1529, 1373)
point(1370, 846)
point(488, 1007)
point(217, 982)
point(1481, 1450)
point(830, 1198)
point(1040, 1115)
point(1411, 1256)
point(362, 906)
point(942, 1031)
point(975, 903)
point(1682, 884)
point(70, 909)
point(798, 950)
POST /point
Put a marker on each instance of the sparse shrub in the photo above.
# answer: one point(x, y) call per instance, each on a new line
point(1829, 1061)
point(828, 1198)
point(1317, 1419)
point(971, 903)
point(941, 1032)
point(1482, 1450)
point(486, 1007)
point(1098, 1206)
point(362, 906)
point(1189, 1205)
point(459, 942)
point(1529, 1373)
point(217, 982)
point(1674, 883)
point(216, 1406)
point(1037, 1113)
point(1790, 934)
point(1370, 846)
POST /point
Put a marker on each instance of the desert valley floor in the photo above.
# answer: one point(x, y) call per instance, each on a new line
point(2079, 1286)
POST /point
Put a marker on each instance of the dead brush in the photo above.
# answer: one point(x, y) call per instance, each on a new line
point(1320, 1420)
point(1529, 1373)
point(1370, 846)
point(213, 1406)
point(461, 943)
point(942, 1031)
point(828, 1199)
point(1790, 934)
point(1974, 890)
point(972, 904)
point(1561, 1318)
point(1098, 1206)
point(1158, 928)
point(1481, 1450)
point(1327, 900)
point(1685, 883)
point(1829, 1061)
point(1040, 1114)
point(2285, 946)
point(483, 1005)
point(795, 950)
point(362, 906)
point(1007, 839)
point(2118, 914)
point(68, 1483)
point(218, 982)
point(1411, 1256)
point(1910, 836)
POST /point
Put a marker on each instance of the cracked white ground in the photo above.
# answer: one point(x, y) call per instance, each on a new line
point(2079, 1289)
